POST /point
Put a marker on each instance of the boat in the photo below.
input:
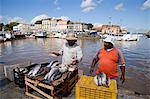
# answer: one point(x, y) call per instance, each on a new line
point(9, 35)
point(41, 35)
point(2, 37)
point(121, 36)
point(6, 36)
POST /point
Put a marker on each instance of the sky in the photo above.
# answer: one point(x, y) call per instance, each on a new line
point(131, 14)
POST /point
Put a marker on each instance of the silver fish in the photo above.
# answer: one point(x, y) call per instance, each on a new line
point(102, 80)
point(48, 75)
point(53, 64)
point(34, 71)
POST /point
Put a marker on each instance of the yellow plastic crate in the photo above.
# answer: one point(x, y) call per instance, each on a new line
point(87, 89)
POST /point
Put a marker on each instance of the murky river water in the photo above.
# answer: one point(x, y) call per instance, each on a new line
point(137, 56)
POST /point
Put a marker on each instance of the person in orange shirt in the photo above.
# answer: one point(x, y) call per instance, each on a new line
point(109, 58)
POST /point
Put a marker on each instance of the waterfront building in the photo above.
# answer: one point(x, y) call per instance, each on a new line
point(110, 28)
point(77, 26)
point(46, 24)
point(54, 25)
point(22, 27)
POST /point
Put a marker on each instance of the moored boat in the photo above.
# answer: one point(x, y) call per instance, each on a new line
point(41, 35)
point(122, 36)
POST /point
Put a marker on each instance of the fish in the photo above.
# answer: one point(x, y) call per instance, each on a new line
point(54, 74)
point(53, 64)
point(48, 75)
point(102, 80)
point(34, 71)
point(21, 70)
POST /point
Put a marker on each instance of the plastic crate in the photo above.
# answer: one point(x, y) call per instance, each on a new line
point(87, 89)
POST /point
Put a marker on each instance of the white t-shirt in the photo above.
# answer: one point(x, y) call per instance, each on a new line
point(70, 53)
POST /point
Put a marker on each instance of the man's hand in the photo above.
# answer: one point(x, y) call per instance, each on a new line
point(122, 78)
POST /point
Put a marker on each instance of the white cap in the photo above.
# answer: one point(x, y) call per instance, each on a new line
point(109, 39)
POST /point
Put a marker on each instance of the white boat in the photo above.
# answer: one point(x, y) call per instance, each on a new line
point(9, 35)
point(41, 34)
point(122, 36)
point(6, 36)
point(130, 37)
point(114, 36)
point(2, 37)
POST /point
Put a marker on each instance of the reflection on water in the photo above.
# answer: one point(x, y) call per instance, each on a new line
point(136, 53)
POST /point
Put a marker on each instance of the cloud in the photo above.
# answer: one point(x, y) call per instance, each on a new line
point(58, 8)
point(62, 17)
point(57, 5)
point(16, 19)
point(146, 5)
point(87, 5)
point(40, 17)
point(100, 1)
point(56, 2)
point(120, 7)
point(1, 17)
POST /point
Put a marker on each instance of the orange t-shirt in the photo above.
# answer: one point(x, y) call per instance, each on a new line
point(108, 62)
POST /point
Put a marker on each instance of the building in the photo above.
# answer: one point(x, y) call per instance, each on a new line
point(60, 25)
point(54, 25)
point(110, 28)
point(22, 27)
point(76, 26)
point(46, 24)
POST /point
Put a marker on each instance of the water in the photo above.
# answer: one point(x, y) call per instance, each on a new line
point(137, 56)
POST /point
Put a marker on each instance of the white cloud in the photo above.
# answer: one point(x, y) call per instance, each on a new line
point(16, 19)
point(7, 19)
point(58, 8)
point(87, 5)
point(40, 17)
point(1, 17)
point(120, 7)
point(99, 1)
point(56, 2)
point(57, 5)
point(62, 17)
point(146, 5)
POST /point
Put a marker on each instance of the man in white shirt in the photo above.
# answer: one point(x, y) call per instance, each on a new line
point(71, 51)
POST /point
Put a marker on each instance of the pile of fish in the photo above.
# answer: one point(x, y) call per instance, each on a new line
point(22, 70)
point(102, 80)
point(51, 72)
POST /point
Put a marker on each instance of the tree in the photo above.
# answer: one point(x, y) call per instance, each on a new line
point(11, 24)
point(9, 27)
point(1, 26)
